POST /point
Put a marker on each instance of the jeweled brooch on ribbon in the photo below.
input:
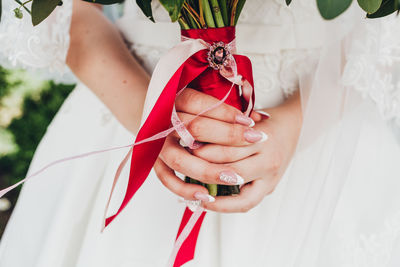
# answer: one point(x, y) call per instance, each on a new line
point(217, 55)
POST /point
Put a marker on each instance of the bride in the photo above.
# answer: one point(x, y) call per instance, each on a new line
point(322, 157)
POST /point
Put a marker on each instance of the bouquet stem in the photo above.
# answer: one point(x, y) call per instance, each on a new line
point(239, 8)
point(183, 23)
point(224, 11)
point(217, 13)
point(214, 189)
point(208, 15)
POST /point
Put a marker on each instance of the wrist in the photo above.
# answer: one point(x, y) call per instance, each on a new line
point(289, 112)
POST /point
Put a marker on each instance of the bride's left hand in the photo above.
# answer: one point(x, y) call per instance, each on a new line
point(267, 161)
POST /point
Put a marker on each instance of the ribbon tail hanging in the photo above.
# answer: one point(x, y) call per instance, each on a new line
point(159, 119)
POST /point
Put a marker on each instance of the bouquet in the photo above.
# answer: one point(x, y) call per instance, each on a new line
point(205, 60)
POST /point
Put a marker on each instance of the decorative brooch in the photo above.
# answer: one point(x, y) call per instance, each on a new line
point(217, 55)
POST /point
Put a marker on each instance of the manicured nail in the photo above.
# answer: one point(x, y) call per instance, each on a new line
point(204, 197)
point(254, 136)
point(264, 137)
point(264, 113)
point(197, 144)
point(189, 202)
point(182, 143)
point(231, 178)
point(242, 119)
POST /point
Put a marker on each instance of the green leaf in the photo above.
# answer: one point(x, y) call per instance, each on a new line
point(330, 9)
point(41, 9)
point(370, 6)
point(104, 2)
point(288, 2)
point(145, 6)
point(387, 8)
point(173, 7)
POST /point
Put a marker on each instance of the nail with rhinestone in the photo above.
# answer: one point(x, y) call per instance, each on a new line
point(231, 177)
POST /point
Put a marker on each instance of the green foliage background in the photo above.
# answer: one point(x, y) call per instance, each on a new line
point(38, 109)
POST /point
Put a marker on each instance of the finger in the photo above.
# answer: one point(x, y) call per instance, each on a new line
point(175, 184)
point(180, 160)
point(250, 196)
point(193, 102)
point(258, 115)
point(225, 154)
point(219, 132)
point(261, 167)
point(255, 116)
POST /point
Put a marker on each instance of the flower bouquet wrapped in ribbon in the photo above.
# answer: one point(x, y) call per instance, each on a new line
point(198, 20)
point(205, 60)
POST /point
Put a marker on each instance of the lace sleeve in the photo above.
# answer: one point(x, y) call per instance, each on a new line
point(42, 48)
point(373, 65)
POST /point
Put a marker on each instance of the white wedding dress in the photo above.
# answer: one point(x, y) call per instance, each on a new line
point(338, 204)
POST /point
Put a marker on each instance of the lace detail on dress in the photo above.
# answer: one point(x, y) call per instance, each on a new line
point(42, 48)
point(281, 71)
point(373, 64)
point(276, 12)
point(372, 250)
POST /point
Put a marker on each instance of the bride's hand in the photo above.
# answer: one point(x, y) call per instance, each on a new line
point(266, 161)
point(232, 151)
point(223, 125)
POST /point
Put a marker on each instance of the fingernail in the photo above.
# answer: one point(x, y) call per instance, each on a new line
point(197, 144)
point(189, 202)
point(204, 197)
point(264, 113)
point(254, 136)
point(182, 143)
point(264, 137)
point(242, 119)
point(231, 178)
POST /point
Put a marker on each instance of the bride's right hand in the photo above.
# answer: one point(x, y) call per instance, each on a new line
point(224, 125)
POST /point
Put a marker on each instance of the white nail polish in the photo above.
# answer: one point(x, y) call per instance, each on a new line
point(239, 178)
point(182, 143)
point(211, 198)
point(264, 137)
point(204, 197)
point(252, 123)
point(263, 113)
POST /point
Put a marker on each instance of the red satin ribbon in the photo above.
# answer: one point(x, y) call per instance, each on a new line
point(194, 73)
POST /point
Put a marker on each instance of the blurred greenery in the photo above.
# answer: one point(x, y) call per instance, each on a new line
point(37, 110)
point(5, 85)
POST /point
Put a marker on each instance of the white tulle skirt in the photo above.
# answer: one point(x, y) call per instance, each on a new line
point(58, 216)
